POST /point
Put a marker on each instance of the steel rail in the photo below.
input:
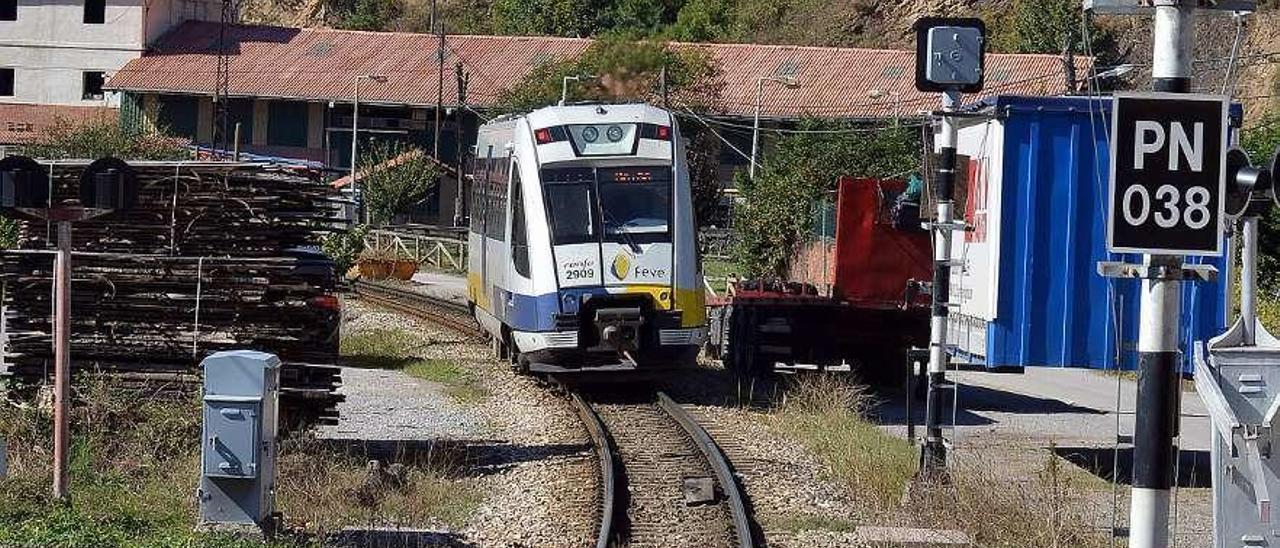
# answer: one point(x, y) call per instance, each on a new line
point(415, 304)
point(604, 450)
point(719, 464)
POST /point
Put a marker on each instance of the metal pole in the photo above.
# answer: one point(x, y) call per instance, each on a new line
point(1249, 279)
point(933, 454)
point(235, 154)
point(897, 102)
point(462, 108)
point(435, 137)
point(1156, 423)
point(755, 129)
point(62, 361)
point(355, 139)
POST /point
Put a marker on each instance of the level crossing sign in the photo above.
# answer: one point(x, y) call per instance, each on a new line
point(1168, 173)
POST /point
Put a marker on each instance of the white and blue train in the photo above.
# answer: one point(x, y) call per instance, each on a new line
point(582, 245)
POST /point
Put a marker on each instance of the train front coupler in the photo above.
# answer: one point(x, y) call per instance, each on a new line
point(619, 330)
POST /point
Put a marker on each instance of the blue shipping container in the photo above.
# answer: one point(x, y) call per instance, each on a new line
point(1036, 178)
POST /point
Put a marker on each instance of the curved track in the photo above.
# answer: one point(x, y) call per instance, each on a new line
point(650, 454)
point(452, 315)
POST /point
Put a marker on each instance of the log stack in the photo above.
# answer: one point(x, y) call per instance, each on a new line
point(210, 259)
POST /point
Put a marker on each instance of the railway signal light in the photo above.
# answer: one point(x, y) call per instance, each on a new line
point(21, 184)
point(108, 183)
point(1249, 187)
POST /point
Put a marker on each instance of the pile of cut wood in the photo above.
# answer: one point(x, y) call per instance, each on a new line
point(214, 256)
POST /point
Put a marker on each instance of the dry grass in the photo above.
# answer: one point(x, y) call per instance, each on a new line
point(826, 414)
point(331, 490)
point(135, 466)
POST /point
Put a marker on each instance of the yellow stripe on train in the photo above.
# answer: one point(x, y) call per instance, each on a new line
point(691, 303)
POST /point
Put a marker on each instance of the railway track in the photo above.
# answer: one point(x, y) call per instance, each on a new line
point(451, 315)
point(664, 481)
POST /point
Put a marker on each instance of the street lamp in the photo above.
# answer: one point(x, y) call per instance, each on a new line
point(355, 133)
point(897, 99)
point(787, 81)
point(564, 85)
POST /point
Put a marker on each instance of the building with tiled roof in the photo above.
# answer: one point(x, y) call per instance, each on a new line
point(291, 89)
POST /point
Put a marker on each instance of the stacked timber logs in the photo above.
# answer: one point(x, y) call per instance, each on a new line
point(208, 260)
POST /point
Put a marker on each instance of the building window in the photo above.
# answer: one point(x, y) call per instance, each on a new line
point(93, 80)
point(8, 10)
point(95, 12)
point(6, 82)
point(287, 124)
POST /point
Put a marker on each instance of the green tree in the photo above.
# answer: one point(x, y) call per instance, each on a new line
point(393, 177)
point(705, 21)
point(619, 70)
point(367, 14)
point(580, 18)
point(776, 208)
point(1044, 26)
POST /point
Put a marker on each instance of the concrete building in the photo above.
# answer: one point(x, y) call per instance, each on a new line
point(56, 52)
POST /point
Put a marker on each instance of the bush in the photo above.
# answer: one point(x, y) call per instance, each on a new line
point(344, 247)
point(616, 69)
point(104, 136)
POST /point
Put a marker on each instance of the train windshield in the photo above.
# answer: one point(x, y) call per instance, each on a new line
point(635, 200)
point(570, 201)
point(618, 204)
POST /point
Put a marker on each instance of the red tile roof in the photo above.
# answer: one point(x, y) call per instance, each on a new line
point(321, 65)
point(22, 123)
point(861, 83)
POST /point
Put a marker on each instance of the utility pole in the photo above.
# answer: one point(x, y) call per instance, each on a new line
point(221, 107)
point(435, 137)
point(666, 99)
point(459, 198)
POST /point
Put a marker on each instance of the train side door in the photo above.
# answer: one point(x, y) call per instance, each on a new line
point(519, 274)
point(484, 221)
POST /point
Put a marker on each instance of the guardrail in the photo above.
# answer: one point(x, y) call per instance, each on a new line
point(441, 248)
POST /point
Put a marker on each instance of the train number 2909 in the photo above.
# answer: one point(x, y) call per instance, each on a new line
point(579, 273)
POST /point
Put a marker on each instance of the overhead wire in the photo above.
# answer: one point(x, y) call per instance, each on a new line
point(1093, 95)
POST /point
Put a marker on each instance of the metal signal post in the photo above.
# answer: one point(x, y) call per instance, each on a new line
point(950, 59)
point(1197, 174)
point(1156, 423)
point(934, 454)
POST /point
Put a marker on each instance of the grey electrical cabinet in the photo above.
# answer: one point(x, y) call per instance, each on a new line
point(1240, 386)
point(241, 401)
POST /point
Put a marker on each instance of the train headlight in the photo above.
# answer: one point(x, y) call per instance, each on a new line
point(590, 134)
point(614, 134)
point(569, 303)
